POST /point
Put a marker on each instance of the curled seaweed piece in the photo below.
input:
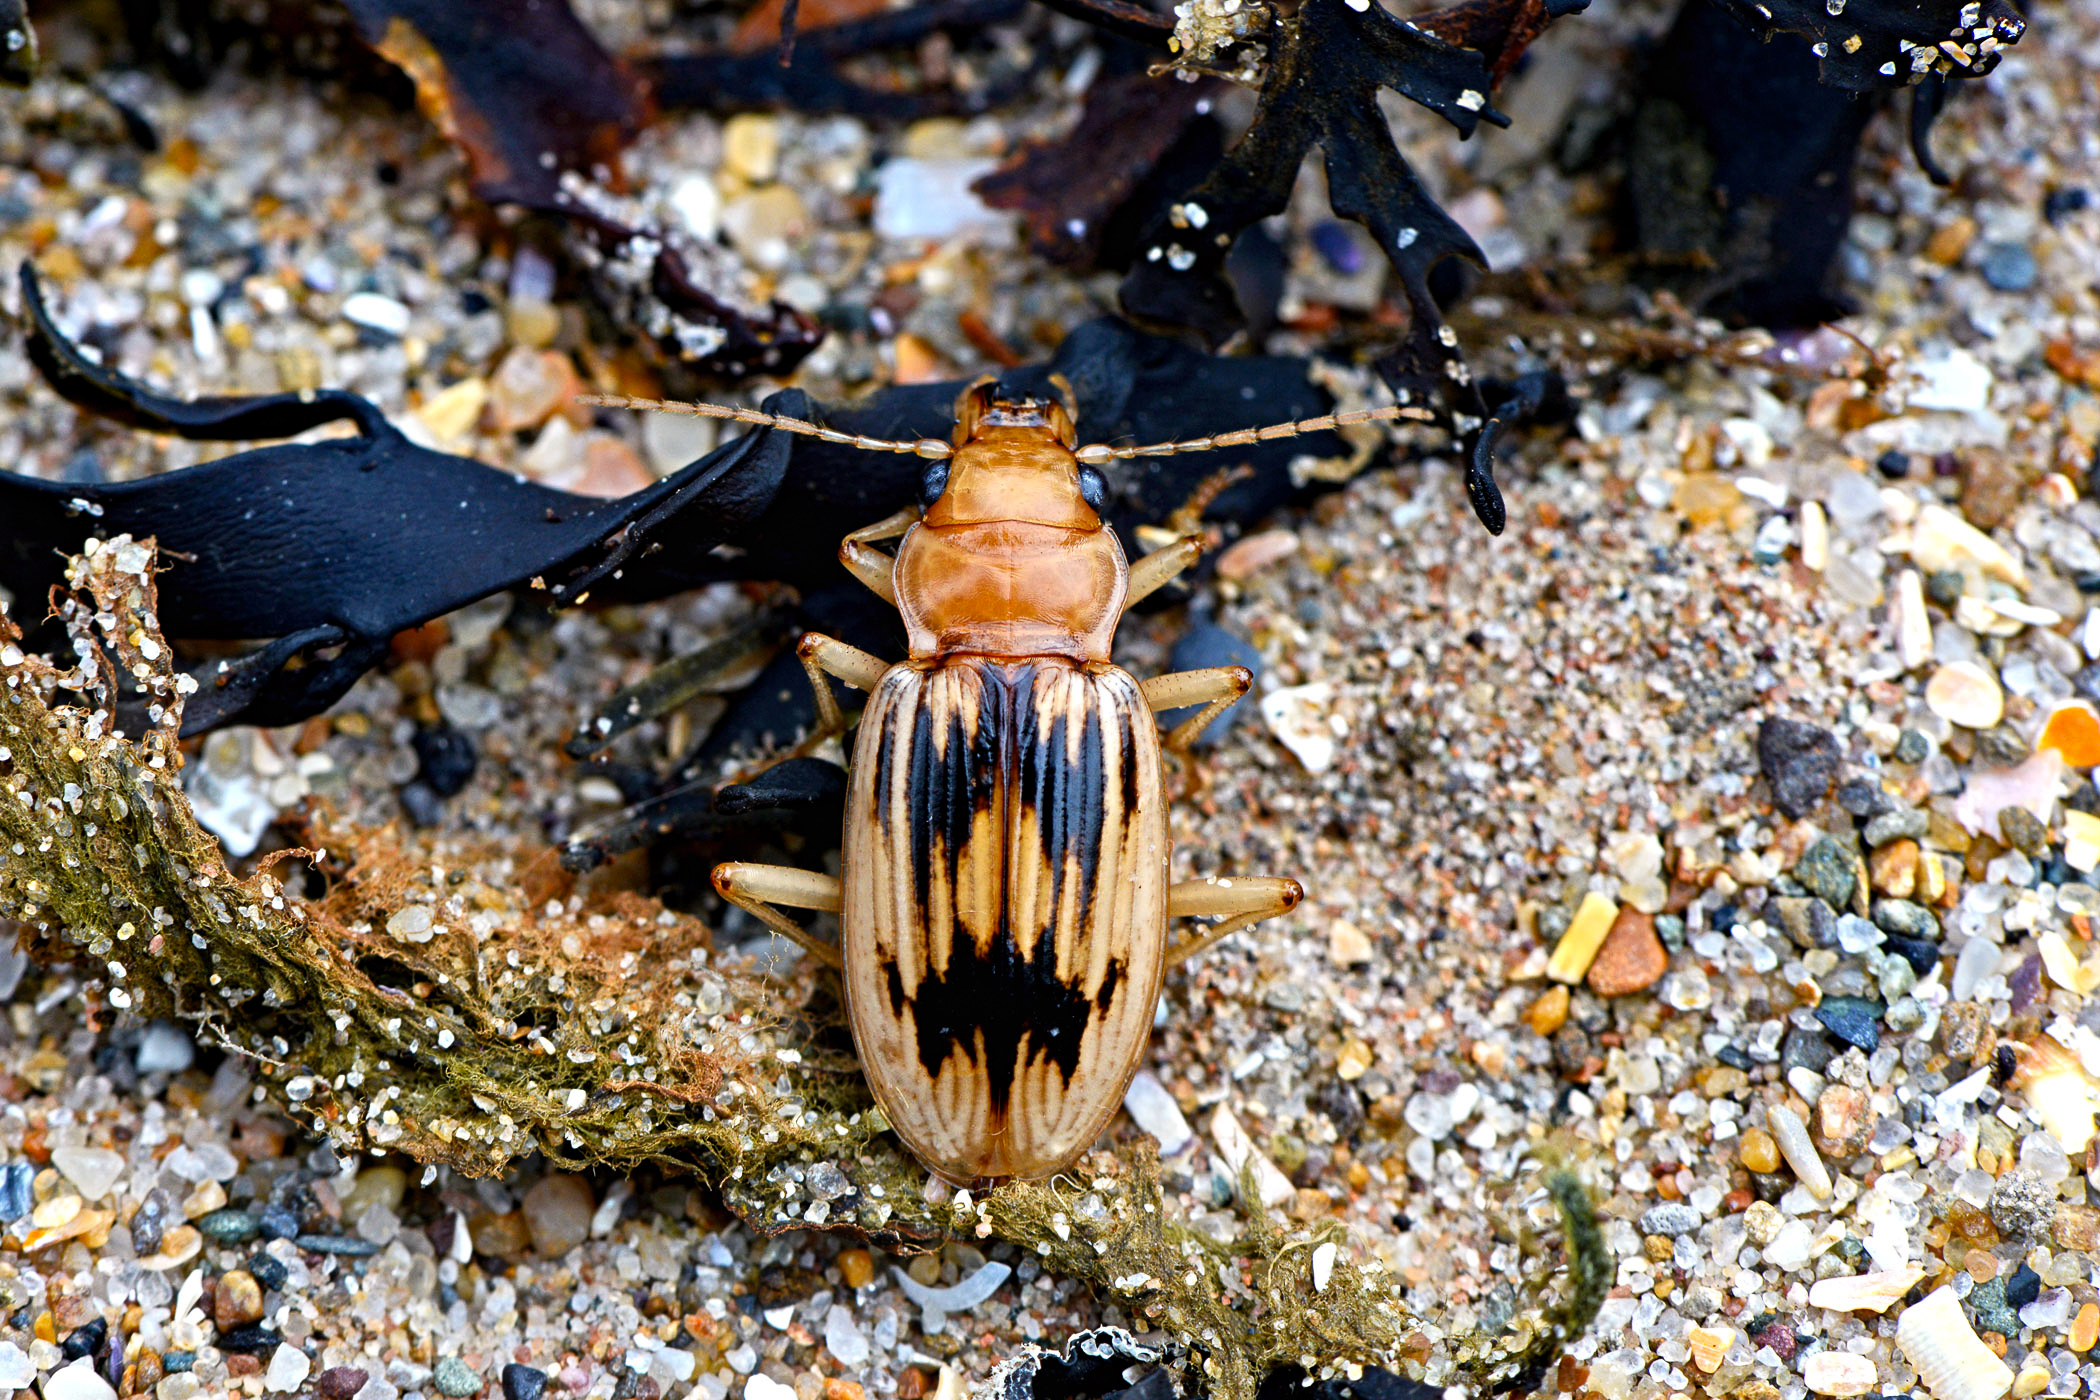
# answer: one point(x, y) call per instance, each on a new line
point(1326, 66)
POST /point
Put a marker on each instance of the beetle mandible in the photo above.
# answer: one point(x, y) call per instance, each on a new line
point(1004, 898)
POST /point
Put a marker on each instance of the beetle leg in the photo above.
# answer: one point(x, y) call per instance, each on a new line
point(755, 889)
point(1155, 570)
point(1241, 900)
point(1215, 688)
point(823, 657)
point(872, 566)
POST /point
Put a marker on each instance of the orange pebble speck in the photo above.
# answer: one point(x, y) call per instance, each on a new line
point(2073, 730)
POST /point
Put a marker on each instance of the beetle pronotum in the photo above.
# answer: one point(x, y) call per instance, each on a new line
point(1004, 897)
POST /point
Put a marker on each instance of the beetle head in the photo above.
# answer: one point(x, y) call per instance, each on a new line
point(1013, 463)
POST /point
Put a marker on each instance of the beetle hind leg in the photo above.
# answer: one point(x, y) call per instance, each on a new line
point(1239, 901)
point(755, 889)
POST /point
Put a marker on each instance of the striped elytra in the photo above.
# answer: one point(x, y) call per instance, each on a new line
point(1004, 916)
point(1003, 897)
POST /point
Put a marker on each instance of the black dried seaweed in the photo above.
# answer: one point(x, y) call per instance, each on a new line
point(1326, 67)
point(335, 546)
point(1739, 172)
point(330, 548)
point(540, 110)
point(1868, 44)
point(18, 51)
point(1070, 190)
point(814, 79)
point(521, 86)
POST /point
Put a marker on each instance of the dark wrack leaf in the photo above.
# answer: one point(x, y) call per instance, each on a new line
point(1865, 44)
point(1326, 67)
point(1927, 100)
point(1069, 189)
point(725, 80)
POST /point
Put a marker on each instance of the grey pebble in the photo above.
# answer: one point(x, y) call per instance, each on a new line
point(455, 1377)
point(1826, 870)
point(1672, 1218)
point(1902, 824)
point(2009, 267)
point(1906, 919)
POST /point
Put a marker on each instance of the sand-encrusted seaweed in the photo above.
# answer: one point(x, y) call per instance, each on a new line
point(472, 1004)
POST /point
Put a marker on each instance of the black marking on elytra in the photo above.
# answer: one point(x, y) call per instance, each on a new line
point(1001, 1008)
point(1066, 796)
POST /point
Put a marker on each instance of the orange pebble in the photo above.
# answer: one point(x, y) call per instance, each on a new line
point(2073, 730)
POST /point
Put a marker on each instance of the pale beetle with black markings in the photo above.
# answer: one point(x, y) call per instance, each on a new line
point(1004, 897)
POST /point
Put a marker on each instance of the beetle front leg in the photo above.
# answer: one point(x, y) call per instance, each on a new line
point(755, 889)
point(1241, 900)
point(1162, 566)
point(871, 566)
point(1215, 688)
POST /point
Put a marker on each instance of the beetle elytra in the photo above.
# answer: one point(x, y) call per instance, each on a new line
point(1004, 897)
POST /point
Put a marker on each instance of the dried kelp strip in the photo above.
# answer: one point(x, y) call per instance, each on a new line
point(1068, 189)
point(342, 543)
point(1739, 172)
point(815, 80)
point(468, 1005)
point(542, 111)
point(1325, 69)
point(1867, 44)
point(337, 545)
point(522, 87)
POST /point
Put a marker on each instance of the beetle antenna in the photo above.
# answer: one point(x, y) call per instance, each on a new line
point(1099, 453)
point(923, 447)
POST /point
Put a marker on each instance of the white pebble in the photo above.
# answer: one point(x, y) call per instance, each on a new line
point(763, 1387)
point(1800, 1153)
point(371, 310)
point(1965, 693)
point(1297, 716)
point(94, 1170)
point(165, 1048)
point(1322, 1265)
point(16, 1372)
point(1152, 1108)
point(78, 1382)
point(1875, 1292)
point(843, 1337)
point(1838, 1373)
point(289, 1368)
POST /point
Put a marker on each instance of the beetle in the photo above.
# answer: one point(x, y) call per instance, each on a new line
point(1004, 897)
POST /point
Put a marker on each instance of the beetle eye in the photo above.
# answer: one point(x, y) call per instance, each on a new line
point(1093, 487)
point(932, 482)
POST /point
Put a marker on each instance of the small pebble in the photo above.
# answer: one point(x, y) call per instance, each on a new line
point(288, 1369)
point(1586, 933)
point(228, 1226)
point(1966, 694)
point(455, 1377)
point(1854, 1020)
point(1791, 1134)
point(1839, 1373)
point(2008, 267)
point(1671, 1218)
point(1632, 958)
point(558, 1212)
point(1759, 1152)
point(522, 1382)
point(1799, 760)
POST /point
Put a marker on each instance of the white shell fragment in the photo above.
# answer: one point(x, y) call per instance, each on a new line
point(1297, 716)
point(1322, 1265)
point(1951, 1360)
point(1964, 693)
point(936, 1303)
point(1875, 1292)
point(1839, 1373)
point(1152, 1108)
point(1800, 1152)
